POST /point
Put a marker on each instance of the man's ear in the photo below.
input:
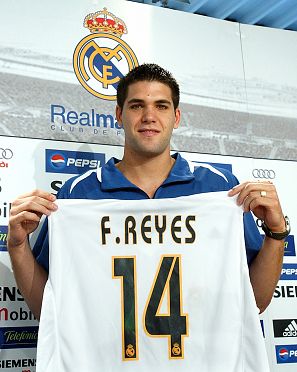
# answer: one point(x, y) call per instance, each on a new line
point(119, 115)
point(177, 118)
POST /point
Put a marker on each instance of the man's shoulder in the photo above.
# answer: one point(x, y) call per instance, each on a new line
point(78, 186)
point(212, 176)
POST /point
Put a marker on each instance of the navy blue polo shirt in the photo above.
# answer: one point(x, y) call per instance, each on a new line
point(184, 179)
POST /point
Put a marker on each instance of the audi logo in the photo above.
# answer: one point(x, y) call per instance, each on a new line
point(264, 173)
point(5, 154)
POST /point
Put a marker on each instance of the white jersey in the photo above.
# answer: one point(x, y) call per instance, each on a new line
point(149, 285)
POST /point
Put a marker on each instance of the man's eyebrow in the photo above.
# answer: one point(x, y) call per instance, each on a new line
point(138, 100)
point(164, 101)
point(135, 100)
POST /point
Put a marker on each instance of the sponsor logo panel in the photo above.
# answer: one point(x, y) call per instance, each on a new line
point(285, 291)
point(290, 246)
point(6, 154)
point(286, 353)
point(289, 272)
point(285, 327)
point(72, 162)
point(18, 337)
point(265, 174)
point(3, 238)
point(13, 307)
point(18, 363)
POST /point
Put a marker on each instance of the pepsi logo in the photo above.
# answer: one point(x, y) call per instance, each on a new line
point(72, 162)
point(283, 354)
point(58, 161)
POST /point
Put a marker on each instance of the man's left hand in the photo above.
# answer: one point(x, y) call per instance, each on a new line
point(261, 198)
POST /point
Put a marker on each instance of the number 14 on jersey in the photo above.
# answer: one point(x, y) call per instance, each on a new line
point(173, 324)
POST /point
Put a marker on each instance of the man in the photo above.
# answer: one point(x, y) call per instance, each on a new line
point(147, 107)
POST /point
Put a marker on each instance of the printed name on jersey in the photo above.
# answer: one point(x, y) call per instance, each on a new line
point(180, 228)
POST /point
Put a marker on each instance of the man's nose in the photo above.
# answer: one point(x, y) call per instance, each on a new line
point(149, 114)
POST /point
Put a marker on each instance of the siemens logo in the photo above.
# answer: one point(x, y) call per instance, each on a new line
point(10, 294)
point(282, 291)
point(72, 162)
point(289, 272)
point(17, 363)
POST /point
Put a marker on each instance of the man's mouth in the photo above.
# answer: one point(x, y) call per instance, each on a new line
point(149, 132)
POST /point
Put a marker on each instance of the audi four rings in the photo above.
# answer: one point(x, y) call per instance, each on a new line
point(5, 154)
point(263, 173)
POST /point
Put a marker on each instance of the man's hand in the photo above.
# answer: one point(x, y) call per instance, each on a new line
point(25, 215)
point(261, 198)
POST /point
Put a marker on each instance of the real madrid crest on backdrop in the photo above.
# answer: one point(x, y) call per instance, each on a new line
point(102, 58)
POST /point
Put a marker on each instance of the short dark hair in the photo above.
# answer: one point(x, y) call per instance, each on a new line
point(147, 72)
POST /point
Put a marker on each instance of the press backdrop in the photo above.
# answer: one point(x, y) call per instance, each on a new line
point(238, 98)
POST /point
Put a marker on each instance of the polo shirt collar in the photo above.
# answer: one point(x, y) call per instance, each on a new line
point(113, 179)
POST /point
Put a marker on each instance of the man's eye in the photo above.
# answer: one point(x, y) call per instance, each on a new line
point(135, 106)
point(162, 107)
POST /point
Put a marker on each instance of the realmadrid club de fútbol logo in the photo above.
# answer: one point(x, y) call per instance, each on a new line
point(102, 58)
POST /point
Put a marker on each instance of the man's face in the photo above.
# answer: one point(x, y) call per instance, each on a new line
point(148, 118)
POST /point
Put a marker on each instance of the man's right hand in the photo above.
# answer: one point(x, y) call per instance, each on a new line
point(25, 215)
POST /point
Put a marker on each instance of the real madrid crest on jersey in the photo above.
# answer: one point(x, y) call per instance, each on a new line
point(102, 58)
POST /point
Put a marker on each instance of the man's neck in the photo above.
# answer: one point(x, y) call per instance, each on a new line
point(148, 173)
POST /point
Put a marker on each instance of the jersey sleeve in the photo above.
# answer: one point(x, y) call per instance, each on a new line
point(252, 236)
point(41, 248)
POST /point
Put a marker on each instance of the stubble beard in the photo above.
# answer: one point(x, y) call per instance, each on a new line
point(148, 149)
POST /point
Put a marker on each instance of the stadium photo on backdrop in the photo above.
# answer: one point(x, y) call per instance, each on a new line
point(145, 258)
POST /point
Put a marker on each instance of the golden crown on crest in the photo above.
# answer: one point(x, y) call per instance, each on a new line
point(104, 21)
